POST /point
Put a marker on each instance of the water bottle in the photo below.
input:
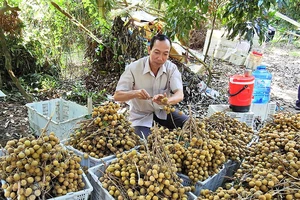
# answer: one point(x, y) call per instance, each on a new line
point(262, 85)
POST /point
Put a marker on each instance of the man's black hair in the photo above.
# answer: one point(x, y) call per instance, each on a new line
point(160, 37)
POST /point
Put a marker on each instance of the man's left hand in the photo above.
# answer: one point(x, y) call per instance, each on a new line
point(158, 99)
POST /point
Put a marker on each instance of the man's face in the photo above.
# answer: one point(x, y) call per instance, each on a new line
point(159, 53)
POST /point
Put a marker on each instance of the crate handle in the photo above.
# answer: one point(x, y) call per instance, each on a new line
point(243, 88)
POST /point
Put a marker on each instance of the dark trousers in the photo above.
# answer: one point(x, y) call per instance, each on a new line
point(174, 120)
point(298, 101)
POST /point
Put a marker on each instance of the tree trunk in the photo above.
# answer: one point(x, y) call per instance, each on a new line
point(101, 8)
point(159, 4)
point(211, 33)
point(1, 84)
point(8, 67)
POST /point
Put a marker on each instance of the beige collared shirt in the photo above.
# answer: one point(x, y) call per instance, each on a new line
point(138, 75)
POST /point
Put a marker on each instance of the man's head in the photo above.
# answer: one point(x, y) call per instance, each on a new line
point(159, 50)
point(159, 37)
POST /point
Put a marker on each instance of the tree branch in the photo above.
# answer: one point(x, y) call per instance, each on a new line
point(78, 24)
point(8, 67)
point(7, 7)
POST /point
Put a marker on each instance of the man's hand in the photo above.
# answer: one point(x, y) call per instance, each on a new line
point(158, 99)
point(142, 94)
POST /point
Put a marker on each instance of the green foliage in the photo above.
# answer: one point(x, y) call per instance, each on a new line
point(96, 21)
point(242, 17)
point(80, 94)
point(290, 9)
point(183, 15)
point(38, 82)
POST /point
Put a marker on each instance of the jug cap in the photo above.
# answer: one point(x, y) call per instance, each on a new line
point(261, 67)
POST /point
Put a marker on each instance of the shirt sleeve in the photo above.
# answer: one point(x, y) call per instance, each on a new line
point(126, 80)
point(175, 79)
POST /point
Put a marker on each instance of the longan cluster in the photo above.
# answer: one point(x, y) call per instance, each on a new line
point(142, 176)
point(37, 168)
point(107, 133)
point(201, 147)
point(168, 107)
point(203, 159)
point(272, 168)
point(177, 152)
point(107, 114)
point(234, 135)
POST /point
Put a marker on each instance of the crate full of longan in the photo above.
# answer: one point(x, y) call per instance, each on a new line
point(40, 168)
point(211, 183)
point(136, 181)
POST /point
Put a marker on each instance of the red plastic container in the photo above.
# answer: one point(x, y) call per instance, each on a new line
point(241, 92)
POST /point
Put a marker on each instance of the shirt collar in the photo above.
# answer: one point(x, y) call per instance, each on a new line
point(147, 69)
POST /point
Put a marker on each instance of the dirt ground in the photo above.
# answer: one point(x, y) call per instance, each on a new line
point(283, 62)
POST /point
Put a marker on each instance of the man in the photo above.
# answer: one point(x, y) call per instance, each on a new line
point(271, 33)
point(146, 82)
point(297, 106)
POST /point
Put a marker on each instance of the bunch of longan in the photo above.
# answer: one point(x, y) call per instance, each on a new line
point(168, 107)
point(142, 176)
point(271, 170)
point(107, 133)
point(39, 168)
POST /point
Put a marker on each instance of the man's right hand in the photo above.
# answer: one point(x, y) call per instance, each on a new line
point(142, 94)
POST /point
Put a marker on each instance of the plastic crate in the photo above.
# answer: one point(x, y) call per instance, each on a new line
point(65, 115)
point(238, 58)
point(212, 183)
point(2, 95)
point(246, 117)
point(80, 195)
point(101, 193)
point(233, 165)
point(90, 161)
point(263, 111)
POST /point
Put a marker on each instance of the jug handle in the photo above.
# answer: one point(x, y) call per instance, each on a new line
point(245, 86)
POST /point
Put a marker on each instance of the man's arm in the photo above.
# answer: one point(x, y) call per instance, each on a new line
point(131, 94)
point(176, 97)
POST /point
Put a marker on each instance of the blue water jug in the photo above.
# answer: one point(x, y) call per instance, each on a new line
point(262, 85)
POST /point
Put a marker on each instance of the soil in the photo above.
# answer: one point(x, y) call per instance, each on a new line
point(283, 62)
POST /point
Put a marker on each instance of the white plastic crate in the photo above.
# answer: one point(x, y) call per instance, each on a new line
point(247, 117)
point(238, 58)
point(101, 193)
point(65, 116)
point(80, 195)
point(263, 111)
point(212, 183)
point(2, 95)
point(90, 161)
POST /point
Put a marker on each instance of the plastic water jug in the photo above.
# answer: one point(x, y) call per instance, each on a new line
point(240, 92)
point(262, 85)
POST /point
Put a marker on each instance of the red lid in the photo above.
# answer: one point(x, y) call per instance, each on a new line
point(257, 53)
point(241, 78)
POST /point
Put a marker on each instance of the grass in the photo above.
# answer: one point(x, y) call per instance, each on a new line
point(294, 53)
